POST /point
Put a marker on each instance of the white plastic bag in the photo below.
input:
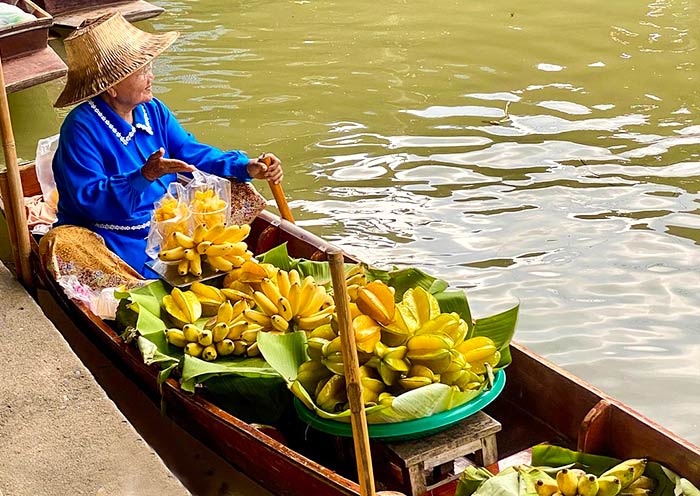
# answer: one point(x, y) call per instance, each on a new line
point(45, 150)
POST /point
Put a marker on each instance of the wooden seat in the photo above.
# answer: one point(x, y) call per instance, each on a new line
point(475, 435)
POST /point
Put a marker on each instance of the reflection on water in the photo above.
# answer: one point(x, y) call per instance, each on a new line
point(533, 152)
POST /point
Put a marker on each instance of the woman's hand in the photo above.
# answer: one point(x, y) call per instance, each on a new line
point(157, 166)
point(267, 166)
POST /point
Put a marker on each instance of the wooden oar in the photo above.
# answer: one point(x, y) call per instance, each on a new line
point(351, 365)
point(278, 193)
point(14, 205)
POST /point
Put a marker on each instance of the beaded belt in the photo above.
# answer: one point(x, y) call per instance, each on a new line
point(115, 227)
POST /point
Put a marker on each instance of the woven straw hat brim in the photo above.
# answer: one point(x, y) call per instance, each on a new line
point(105, 53)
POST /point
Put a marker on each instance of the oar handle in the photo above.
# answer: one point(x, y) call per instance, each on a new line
point(278, 193)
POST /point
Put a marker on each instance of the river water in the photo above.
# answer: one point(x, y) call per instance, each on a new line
point(543, 153)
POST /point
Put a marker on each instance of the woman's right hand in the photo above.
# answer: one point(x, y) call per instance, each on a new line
point(157, 166)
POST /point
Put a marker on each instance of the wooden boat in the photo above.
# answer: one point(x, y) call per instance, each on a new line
point(70, 14)
point(540, 402)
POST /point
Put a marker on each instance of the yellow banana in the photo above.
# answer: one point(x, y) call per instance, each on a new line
point(270, 289)
point(214, 232)
point(608, 485)
point(252, 350)
point(225, 347)
point(279, 323)
point(219, 263)
point(183, 267)
point(176, 337)
point(627, 471)
point(196, 266)
point(313, 321)
point(313, 303)
point(567, 481)
point(294, 296)
point(172, 255)
point(225, 312)
point(203, 246)
point(546, 487)
point(236, 261)
point(255, 317)
point(284, 308)
point(233, 234)
point(198, 235)
point(239, 347)
point(219, 331)
point(206, 337)
point(358, 279)
point(183, 239)
point(209, 353)
point(283, 282)
point(218, 250)
point(294, 277)
point(267, 306)
point(194, 349)
point(643, 482)
point(191, 332)
point(588, 485)
point(236, 329)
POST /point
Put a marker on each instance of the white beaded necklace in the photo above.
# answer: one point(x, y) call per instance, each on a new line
point(124, 139)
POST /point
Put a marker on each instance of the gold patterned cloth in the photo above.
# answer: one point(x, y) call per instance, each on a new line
point(75, 251)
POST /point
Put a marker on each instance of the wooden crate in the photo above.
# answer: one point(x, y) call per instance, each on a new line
point(28, 37)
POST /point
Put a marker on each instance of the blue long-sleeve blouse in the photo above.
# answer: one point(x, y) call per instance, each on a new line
point(97, 168)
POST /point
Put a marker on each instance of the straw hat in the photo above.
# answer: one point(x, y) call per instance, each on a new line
point(104, 53)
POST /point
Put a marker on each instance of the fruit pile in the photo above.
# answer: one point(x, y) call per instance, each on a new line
point(401, 346)
point(171, 216)
point(222, 247)
point(254, 298)
point(208, 208)
point(624, 479)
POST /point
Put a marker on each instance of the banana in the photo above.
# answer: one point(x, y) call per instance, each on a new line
point(284, 308)
point(250, 336)
point(567, 481)
point(214, 232)
point(188, 303)
point(199, 232)
point(176, 337)
point(294, 277)
point(255, 317)
point(643, 482)
point(209, 353)
point(627, 471)
point(252, 350)
point(218, 250)
point(225, 312)
point(225, 347)
point(294, 297)
point(194, 349)
point(191, 332)
point(233, 234)
point(270, 289)
point(357, 279)
point(239, 347)
point(608, 485)
point(196, 266)
point(190, 254)
point(588, 485)
point(202, 247)
point(313, 303)
point(206, 337)
point(183, 267)
point(283, 282)
point(172, 255)
point(279, 323)
point(311, 322)
point(219, 263)
point(236, 329)
point(183, 239)
point(546, 487)
point(266, 304)
point(219, 331)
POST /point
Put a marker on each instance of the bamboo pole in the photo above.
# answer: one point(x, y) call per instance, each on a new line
point(17, 215)
point(278, 194)
point(353, 384)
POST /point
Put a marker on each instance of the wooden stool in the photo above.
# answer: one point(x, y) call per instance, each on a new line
point(475, 434)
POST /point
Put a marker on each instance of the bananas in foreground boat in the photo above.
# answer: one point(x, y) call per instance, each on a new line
point(624, 479)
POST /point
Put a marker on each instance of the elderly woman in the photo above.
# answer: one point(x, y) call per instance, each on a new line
point(121, 147)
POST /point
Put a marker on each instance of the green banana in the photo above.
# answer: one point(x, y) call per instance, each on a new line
point(608, 485)
point(628, 471)
point(588, 485)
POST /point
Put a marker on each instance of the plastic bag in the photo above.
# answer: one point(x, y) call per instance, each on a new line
point(210, 199)
point(171, 214)
point(45, 150)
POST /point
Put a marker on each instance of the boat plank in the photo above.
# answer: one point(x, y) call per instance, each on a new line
point(31, 69)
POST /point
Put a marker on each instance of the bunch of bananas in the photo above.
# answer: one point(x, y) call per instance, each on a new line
point(625, 479)
point(221, 247)
point(401, 346)
point(208, 208)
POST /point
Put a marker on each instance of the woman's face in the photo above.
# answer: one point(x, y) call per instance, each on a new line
point(136, 89)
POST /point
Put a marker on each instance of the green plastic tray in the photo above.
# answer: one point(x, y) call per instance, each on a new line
point(409, 429)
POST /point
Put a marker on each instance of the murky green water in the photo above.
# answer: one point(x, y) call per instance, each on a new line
point(540, 152)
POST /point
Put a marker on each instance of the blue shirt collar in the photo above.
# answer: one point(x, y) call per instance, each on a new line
point(121, 129)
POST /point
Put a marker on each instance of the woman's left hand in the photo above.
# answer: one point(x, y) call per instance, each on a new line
point(267, 166)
